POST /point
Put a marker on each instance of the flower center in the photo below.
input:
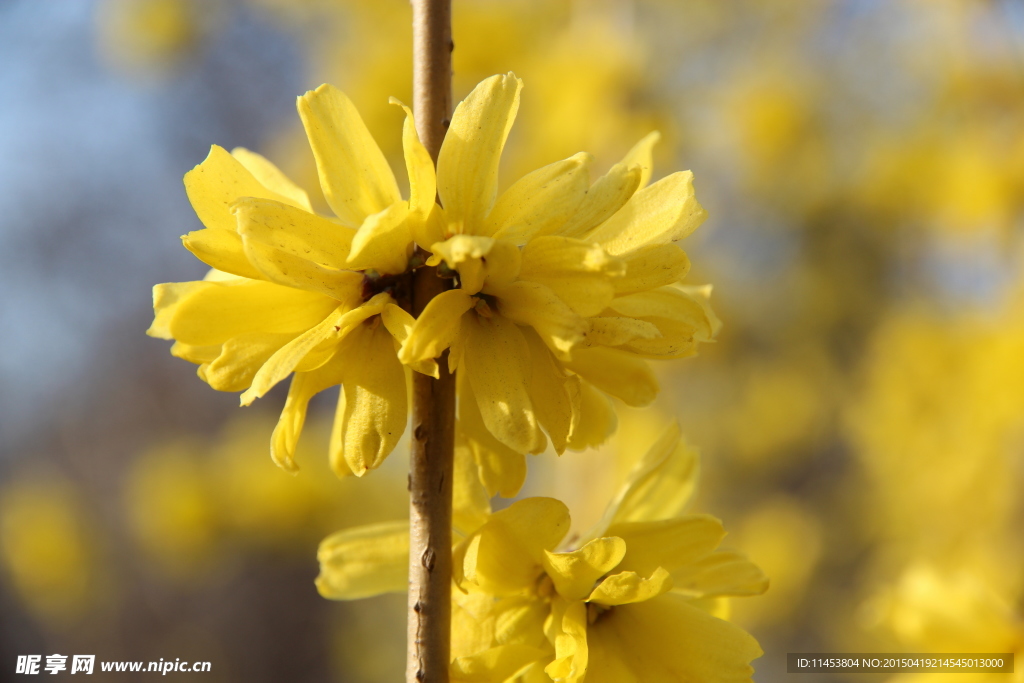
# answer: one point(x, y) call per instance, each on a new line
point(396, 285)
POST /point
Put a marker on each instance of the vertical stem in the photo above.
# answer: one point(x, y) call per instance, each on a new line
point(433, 408)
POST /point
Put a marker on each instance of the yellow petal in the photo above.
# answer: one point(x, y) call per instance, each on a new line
point(355, 177)
point(364, 561)
point(167, 298)
point(571, 649)
point(683, 317)
point(376, 400)
point(331, 330)
point(196, 354)
point(204, 313)
point(606, 196)
point(222, 250)
point(272, 178)
point(627, 587)
point(579, 273)
point(467, 166)
point(642, 155)
point(502, 470)
point(296, 232)
point(665, 641)
point(294, 271)
point(662, 213)
point(617, 373)
point(499, 663)
point(422, 181)
point(520, 619)
point(540, 202)
point(535, 305)
point(724, 572)
point(497, 363)
point(659, 486)
point(471, 506)
point(478, 260)
point(383, 242)
point(214, 185)
point(240, 358)
point(596, 420)
point(554, 392)
point(304, 386)
point(652, 266)
point(436, 327)
point(618, 330)
point(506, 554)
point(574, 573)
point(669, 543)
point(400, 323)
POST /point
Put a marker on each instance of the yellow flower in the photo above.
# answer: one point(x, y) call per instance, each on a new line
point(295, 292)
point(563, 289)
point(635, 599)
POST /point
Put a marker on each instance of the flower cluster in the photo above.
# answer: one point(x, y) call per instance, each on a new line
point(562, 287)
point(639, 598)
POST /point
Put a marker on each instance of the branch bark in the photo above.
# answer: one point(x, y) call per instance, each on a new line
point(433, 407)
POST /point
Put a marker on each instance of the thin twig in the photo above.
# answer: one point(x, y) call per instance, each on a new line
point(433, 408)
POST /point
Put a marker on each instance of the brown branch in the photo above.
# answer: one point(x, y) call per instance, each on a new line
point(433, 407)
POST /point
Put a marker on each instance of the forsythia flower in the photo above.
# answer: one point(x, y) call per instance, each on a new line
point(295, 293)
point(563, 289)
point(634, 600)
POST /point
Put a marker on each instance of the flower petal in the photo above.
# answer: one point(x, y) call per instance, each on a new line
point(296, 232)
point(499, 663)
point(471, 506)
point(399, 323)
point(660, 484)
point(627, 587)
point(664, 212)
point(364, 561)
point(606, 196)
point(617, 373)
point(574, 573)
point(502, 470)
point(724, 572)
point(596, 420)
point(221, 249)
point(652, 266)
point(665, 641)
point(497, 362)
point(535, 305)
point(331, 330)
point(375, 409)
point(304, 386)
point(204, 313)
point(467, 166)
point(554, 392)
point(681, 314)
point(642, 155)
point(271, 177)
point(214, 185)
point(669, 543)
point(578, 272)
point(506, 554)
point(355, 177)
point(383, 242)
point(422, 181)
point(571, 648)
point(540, 202)
point(294, 271)
point(437, 326)
point(240, 358)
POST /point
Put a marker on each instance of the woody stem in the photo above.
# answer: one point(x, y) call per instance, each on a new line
point(433, 407)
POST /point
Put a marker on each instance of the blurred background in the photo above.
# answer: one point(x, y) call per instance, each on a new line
point(861, 417)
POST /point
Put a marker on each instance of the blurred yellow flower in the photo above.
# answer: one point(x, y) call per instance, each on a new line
point(295, 292)
point(563, 288)
point(634, 599)
point(48, 548)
